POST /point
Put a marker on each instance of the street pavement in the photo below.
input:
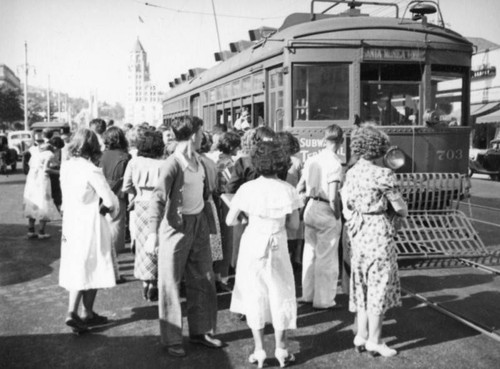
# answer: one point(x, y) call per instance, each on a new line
point(33, 308)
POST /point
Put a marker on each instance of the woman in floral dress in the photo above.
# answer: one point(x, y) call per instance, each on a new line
point(366, 194)
point(264, 289)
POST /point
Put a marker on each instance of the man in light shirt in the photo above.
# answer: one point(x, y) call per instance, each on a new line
point(320, 183)
point(180, 221)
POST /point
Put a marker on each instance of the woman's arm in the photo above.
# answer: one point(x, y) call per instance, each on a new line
point(400, 207)
point(293, 220)
point(101, 187)
point(128, 184)
point(235, 216)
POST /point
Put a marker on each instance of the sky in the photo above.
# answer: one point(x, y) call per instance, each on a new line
point(84, 45)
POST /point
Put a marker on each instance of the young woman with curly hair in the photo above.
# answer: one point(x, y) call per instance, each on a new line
point(366, 194)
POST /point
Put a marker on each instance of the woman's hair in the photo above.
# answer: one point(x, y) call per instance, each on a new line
point(98, 125)
point(206, 143)
point(288, 142)
point(114, 139)
point(228, 142)
point(56, 142)
point(132, 135)
point(368, 142)
point(84, 144)
point(150, 144)
point(255, 135)
point(269, 158)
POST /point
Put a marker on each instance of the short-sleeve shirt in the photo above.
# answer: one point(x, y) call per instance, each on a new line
point(320, 171)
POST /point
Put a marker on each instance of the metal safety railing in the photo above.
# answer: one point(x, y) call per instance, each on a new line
point(435, 228)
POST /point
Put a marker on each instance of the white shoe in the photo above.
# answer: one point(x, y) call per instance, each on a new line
point(43, 236)
point(283, 357)
point(359, 343)
point(381, 349)
point(258, 356)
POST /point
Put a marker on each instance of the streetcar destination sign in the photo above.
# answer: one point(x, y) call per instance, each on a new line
point(378, 53)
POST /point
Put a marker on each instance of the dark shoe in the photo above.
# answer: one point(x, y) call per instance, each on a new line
point(76, 323)
point(120, 280)
point(152, 293)
point(222, 287)
point(95, 320)
point(240, 317)
point(31, 235)
point(176, 351)
point(206, 340)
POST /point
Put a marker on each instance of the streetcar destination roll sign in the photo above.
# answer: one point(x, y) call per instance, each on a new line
point(379, 53)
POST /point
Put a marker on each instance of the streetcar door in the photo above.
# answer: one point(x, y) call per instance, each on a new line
point(195, 105)
point(275, 110)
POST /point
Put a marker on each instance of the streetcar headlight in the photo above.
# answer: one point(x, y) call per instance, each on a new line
point(394, 158)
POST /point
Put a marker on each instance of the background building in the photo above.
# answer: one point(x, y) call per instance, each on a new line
point(485, 92)
point(143, 98)
point(8, 78)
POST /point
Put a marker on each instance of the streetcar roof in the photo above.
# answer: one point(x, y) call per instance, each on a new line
point(336, 30)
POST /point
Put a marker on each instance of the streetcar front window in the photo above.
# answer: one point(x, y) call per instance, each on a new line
point(390, 93)
point(321, 92)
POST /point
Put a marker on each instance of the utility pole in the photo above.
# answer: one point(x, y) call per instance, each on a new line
point(48, 99)
point(26, 68)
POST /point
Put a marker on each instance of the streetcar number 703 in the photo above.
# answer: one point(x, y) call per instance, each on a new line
point(449, 154)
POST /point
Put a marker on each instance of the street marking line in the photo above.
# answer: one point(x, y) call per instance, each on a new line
point(484, 222)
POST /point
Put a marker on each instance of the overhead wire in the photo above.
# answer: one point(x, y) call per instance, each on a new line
point(203, 13)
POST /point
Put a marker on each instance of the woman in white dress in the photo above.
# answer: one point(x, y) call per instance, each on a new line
point(37, 198)
point(86, 261)
point(264, 288)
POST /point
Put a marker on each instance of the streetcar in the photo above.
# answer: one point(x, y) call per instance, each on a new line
point(407, 72)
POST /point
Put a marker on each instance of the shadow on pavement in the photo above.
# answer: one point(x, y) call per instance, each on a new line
point(22, 260)
point(94, 350)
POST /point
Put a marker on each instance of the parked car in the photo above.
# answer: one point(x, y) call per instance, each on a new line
point(486, 161)
point(20, 141)
point(8, 156)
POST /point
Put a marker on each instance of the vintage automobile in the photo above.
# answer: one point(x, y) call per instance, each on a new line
point(8, 156)
point(20, 141)
point(486, 161)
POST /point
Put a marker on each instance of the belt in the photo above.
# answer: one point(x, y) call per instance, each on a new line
point(319, 199)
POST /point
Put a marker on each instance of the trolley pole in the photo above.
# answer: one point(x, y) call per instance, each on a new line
point(216, 26)
point(48, 99)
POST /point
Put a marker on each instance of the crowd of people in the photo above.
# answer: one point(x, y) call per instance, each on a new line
point(165, 188)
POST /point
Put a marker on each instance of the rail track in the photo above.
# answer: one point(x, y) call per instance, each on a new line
point(490, 331)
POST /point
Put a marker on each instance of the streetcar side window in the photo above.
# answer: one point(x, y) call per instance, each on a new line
point(320, 92)
point(448, 98)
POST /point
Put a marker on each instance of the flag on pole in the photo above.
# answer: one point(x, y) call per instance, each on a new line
point(140, 19)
